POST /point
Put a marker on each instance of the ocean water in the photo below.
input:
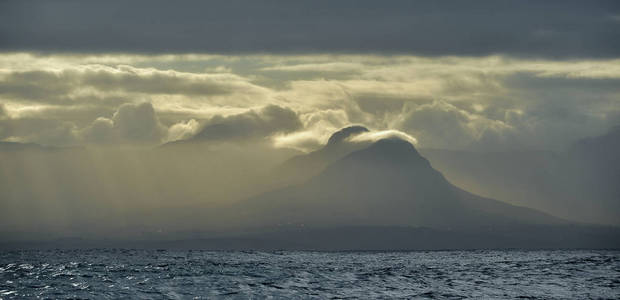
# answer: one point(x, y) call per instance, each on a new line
point(238, 275)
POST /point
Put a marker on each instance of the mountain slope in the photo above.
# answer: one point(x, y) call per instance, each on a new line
point(387, 184)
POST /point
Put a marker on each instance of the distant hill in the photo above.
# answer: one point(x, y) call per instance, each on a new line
point(15, 146)
point(580, 184)
point(597, 162)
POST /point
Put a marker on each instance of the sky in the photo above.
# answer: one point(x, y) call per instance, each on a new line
point(262, 81)
point(493, 75)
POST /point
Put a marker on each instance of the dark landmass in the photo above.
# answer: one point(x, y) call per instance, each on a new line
point(365, 239)
point(381, 195)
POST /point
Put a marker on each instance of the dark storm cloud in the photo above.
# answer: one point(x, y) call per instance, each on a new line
point(554, 29)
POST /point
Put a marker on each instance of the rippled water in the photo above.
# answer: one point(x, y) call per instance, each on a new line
point(204, 274)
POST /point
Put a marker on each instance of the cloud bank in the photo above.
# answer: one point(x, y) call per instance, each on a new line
point(265, 122)
point(486, 103)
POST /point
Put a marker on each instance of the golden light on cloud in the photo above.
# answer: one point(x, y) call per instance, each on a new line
point(369, 89)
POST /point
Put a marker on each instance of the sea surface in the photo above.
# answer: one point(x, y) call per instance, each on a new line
point(210, 274)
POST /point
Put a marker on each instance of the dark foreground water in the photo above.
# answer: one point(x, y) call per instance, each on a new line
point(203, 274)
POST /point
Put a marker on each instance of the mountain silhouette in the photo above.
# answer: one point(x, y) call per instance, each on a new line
point(386, 184)
point(301, 167)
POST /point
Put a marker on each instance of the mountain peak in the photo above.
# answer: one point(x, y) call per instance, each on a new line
point(345, 133)
point(391, 159)
point(394, 143)
point(391, 149)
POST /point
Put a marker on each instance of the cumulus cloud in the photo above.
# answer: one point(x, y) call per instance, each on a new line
point(442, 125)
point(134, 123)
point(253, 124)
point(304, 141)
point(183, 130)
point(137, 122)
point(102, 130)
point(383, 134)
